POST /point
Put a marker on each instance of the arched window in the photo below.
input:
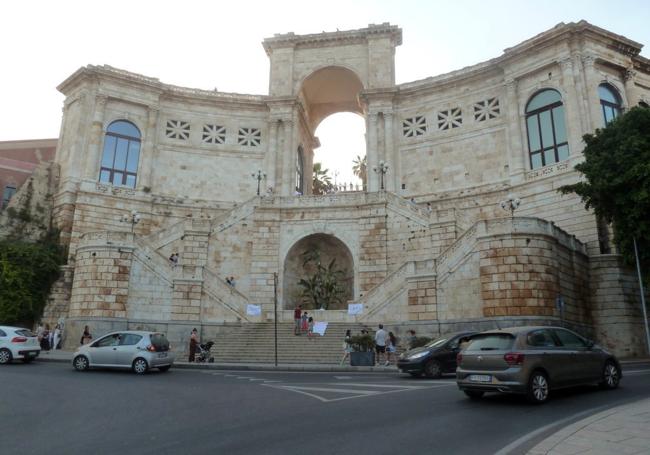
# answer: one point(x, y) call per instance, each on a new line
point(300, 171)
point(121, 154)
point(610, 102)
point(547, 138)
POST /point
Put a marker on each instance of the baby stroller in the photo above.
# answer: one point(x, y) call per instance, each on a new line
point(203, 353)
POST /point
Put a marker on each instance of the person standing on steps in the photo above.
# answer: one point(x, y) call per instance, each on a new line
point(86, 337)
point(381, 336)
point(347, 347)
point(310, 328)
point(194, 342)
point(304, 323)
point(297, 313)
point(391, 348)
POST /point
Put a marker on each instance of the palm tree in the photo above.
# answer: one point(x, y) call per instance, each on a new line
point(360, 169)
point(322, 182)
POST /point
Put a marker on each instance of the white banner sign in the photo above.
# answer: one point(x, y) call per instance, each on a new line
point(253, 310)
point(320, 327)
point(355, 308)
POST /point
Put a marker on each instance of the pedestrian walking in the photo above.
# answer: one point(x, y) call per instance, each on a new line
point(347, 346)
point(86, 337)
point(304, 325)
point(310, 327)
point(194, 342)
point(411, 339)
point(56, 337)
point(391, 348)
point(381, 337)
point(45, 338)
point(173, 259)
point(297, 313)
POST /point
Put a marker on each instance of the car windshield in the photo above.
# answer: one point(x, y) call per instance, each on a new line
point(491, 342)
point(436, 343)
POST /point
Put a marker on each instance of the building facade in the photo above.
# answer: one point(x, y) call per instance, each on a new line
point(184, 160)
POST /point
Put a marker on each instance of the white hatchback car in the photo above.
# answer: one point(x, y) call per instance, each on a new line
point(18, 343)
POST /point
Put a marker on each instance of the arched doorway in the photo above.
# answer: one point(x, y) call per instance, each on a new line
point(329, 249)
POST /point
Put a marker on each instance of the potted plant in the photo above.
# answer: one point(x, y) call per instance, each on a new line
point(362, 351)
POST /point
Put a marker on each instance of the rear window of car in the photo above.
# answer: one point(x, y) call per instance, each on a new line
point(491, 342)
point(159, 341)
point(130, 339)
point(25, 333)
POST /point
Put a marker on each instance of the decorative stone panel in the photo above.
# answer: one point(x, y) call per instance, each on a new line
point(213, 134)
point(250, 137)
point(177, 129)
point(486, 110)
point(414, 126)
point(449, 119)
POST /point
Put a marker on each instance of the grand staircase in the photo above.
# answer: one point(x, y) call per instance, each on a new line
point(254, 343)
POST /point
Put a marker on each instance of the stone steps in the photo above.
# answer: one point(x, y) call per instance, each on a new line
point(254, 343)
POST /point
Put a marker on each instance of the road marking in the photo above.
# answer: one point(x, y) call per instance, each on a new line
point(255, 379)
point(636, 372)
point(342, 377)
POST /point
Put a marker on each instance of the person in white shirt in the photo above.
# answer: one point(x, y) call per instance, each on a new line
point(380, 344)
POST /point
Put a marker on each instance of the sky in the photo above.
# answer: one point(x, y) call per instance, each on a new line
point(217, 44)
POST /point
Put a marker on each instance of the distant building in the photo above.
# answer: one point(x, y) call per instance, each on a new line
point(18, 159)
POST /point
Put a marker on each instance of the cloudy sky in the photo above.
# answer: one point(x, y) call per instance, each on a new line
point(208, 44)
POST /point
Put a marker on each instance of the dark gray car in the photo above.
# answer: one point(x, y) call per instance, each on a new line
point(533, 361)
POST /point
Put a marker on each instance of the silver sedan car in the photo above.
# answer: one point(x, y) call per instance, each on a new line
point(533, 361)
point(137, 350)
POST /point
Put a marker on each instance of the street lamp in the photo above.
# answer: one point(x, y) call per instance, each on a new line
point(381, 170)
point(259, 175)
point(133, 219)
point(511, 204)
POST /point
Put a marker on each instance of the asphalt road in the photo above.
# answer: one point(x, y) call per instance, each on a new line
point(48, 408)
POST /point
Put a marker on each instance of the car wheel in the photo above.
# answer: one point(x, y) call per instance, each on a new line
point(165, 368)
point(80, 363)
point(433, 369)
point(611, 376)
point(474, 394)
point(538, 388)
point(5, 356)
point(140, 366)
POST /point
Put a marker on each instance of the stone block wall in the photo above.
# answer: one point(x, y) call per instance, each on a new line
point(422, 302)
point(616, 306)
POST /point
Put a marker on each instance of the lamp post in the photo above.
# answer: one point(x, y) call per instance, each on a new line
point(259, 175)
point(511, 204)
point(381, 170)
point(134, 219)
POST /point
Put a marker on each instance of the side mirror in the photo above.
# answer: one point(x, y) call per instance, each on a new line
point(590, 344)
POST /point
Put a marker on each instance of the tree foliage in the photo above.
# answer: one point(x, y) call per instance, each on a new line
point(360, 169)
point(27, 271)
point(325, 285)
point(322, 182)
point(616, 181)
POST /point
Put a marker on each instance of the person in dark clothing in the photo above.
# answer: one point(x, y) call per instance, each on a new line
point(297, 314)
point(194, 342)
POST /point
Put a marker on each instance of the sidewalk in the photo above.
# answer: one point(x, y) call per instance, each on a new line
point(621, 430)
point(66, 357)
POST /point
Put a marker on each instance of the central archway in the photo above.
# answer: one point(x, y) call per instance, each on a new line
point(294, 269)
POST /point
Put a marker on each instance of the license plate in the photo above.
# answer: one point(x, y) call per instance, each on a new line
point(162, 355)
point(480, 378)
point(31, 354)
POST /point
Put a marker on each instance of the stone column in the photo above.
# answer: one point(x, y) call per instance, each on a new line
point(392, 183)
point(148, 149)
point(631, 93)
point(289, 159)
point(372, 152)
point(94, 155)
point(592, 80)
point(572, 111)
point(517, 152)
point(271, 160)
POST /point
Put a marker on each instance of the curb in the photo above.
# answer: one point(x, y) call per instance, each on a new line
point(256, 367)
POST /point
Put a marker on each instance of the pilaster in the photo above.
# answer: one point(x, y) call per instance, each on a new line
point(516, 151)
point(372, 152)
point(93, 155)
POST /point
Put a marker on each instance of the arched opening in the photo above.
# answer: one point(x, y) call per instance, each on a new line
point(297, 267)
point(343, 151)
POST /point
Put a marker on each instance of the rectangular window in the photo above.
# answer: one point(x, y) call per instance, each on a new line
point(535, 160)
point(134, 156)
point(558, 123)
point(109, 151)
point(120, 154)
point(7, 194)
point(549, 157)
point(563, 152)
point(105, 176)
point(533, 133)
point(130, 180)
point(546, 128)
point(118, 178)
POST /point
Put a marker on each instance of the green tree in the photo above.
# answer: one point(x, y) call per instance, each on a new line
point(325, 285)
point(616, 181)
point(27, 271)
point(322, 182)
point(360, 169)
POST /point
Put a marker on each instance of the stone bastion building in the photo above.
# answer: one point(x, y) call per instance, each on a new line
point(463, 141)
